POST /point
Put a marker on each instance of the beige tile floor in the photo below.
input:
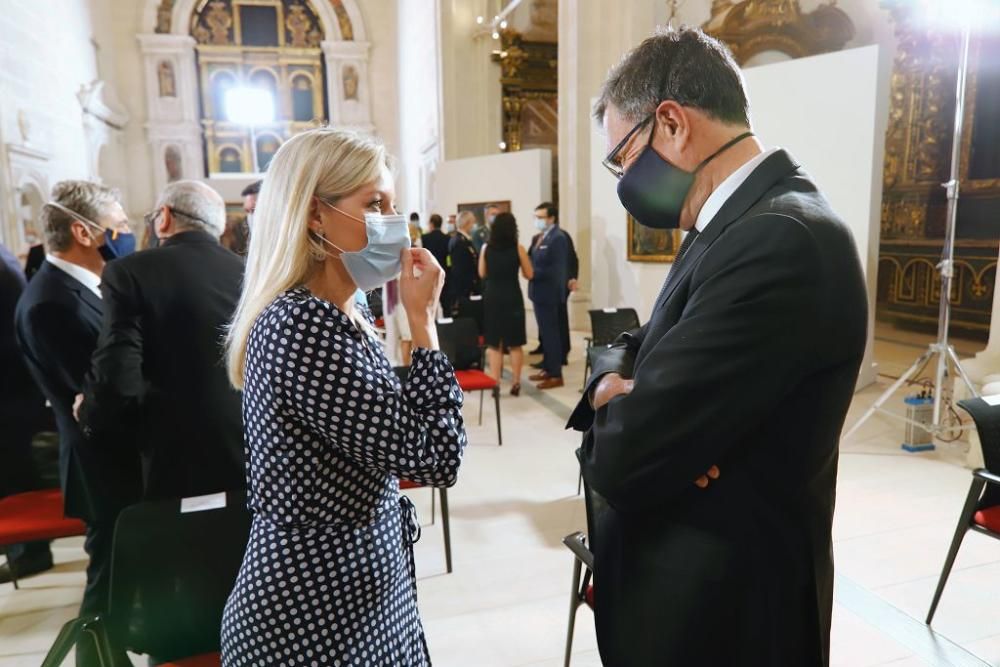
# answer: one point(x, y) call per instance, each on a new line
point(506, 602)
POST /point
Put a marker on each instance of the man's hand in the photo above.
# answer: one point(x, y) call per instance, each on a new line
point(611, 385)
point(703, 481)
point(76, 406)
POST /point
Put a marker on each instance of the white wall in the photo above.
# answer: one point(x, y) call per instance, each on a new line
point(524, 178)
point(43, 63)
point(836, 130)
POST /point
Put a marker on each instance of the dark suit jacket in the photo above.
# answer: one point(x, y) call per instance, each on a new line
point(160, 364)
point(57, 322)
point(550, 261)
point(436, 242)
point(463, 276)
point(749, 362)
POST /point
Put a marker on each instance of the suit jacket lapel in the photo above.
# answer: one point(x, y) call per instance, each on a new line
point(770, 171)
point(92, 300)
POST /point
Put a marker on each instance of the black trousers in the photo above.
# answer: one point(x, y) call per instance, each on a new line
point(96, 594)
point(547, 316)
point(563, 331)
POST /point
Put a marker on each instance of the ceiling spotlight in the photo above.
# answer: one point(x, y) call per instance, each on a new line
point(496, 35)
point(479, 20)
point(503, 24)
point(502, 145)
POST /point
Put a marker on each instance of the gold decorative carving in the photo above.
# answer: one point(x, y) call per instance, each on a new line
point(528, 76)
point(219, 21)
point(750, 27)
point(298, 24)
point(344, 20)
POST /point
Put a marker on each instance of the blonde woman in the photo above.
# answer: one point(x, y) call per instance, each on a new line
point(328, 573)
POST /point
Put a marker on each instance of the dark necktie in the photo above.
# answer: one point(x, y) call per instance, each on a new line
point(678, 260)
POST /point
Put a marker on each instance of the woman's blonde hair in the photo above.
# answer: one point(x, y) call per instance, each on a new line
point(324, 163)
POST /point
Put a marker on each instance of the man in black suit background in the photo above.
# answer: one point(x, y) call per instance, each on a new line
point(463, 263)
point(548, 293)
point(57, 322)
point(22, 414)
point(159, 361)
point(712, 431)
point(437, 242)
point(551, 215)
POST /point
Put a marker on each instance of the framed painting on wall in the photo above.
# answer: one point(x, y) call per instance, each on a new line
point(651, 245)
point(479, 209)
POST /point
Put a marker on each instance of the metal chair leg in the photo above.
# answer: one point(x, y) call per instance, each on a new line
point(446, 525)
point(433, 499)
point(10, 566)
point(975, 491)
point(482, 395)
point(496, 399)
point(579, 483)
point(574, 604)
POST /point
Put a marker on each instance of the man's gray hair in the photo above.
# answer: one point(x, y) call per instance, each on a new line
point(194, 205)
point(464, 217)
point(686, 66)
point(84, 198)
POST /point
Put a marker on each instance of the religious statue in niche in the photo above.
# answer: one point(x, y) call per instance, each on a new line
point(350, 83)
point(173, 162)
point(298, 25)
point(164, 16)
point(165, 75)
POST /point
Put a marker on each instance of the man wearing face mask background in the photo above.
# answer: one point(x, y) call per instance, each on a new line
point(158, 364)
point(548, 291)
point(57, 321)
point(712, 431)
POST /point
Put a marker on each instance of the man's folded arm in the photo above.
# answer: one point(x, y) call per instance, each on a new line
point(739, 347)
point(618, 358)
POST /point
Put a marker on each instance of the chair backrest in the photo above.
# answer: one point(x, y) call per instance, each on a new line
point(606, 324)
point(472, 307)
point(173, 566)
point(987, 418)
point(597, 509)
point(459, 339)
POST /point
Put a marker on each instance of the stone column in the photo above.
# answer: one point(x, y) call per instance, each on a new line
point(174, 124)
point(347, 85)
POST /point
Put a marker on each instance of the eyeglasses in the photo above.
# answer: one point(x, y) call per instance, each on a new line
point(150, 218)
point(611, 162)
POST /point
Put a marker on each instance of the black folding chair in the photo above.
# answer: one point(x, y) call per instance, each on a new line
point(582, 591)
point(459, 340)
point(173, 566)
point(606, 324)
point(981, 511)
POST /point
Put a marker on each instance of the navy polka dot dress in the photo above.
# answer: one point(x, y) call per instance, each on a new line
point(328, 575)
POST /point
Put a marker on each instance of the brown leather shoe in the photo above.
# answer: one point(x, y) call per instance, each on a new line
point(539, 376)
point(550, 383)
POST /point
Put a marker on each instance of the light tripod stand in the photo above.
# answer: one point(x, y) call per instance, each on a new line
point(941, 348)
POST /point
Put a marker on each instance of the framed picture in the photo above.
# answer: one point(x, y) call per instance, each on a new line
point(479, 209)
point(651, 245)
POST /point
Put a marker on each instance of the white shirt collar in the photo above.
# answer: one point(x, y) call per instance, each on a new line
point(86, 277)
point(721, 194)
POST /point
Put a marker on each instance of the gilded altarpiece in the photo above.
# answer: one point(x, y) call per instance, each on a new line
point(528, 76)
point(917, 162)
point(271, 44)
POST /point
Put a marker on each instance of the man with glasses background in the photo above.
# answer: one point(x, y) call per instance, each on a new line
point(712, 431)
point(158, 365)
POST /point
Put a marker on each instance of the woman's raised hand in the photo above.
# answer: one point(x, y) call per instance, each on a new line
point(420, 285)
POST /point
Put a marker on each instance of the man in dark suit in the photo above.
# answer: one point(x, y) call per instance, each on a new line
point(547, 291)
point(551, 213)
point(712, 431)
point(22, 414)
point(463, 264)
point(159, 360)
point(436, 240)
point(57, 322)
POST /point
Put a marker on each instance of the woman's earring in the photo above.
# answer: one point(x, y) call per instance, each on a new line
point(316, 249)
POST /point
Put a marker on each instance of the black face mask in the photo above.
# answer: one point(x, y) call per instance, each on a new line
point(653, 190)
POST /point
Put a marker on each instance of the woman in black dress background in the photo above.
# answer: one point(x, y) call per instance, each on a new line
point(503, 304)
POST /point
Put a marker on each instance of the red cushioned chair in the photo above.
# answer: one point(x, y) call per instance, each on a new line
point(981, 512)
point(445, 519)
point(32, 516)
point(459, 341)
point(173, 566)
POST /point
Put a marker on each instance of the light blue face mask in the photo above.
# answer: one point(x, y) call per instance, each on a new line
point(379, 261)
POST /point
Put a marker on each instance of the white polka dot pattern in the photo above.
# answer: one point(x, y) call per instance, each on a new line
point(328, 574)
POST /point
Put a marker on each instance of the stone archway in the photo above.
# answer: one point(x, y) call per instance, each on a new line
point(174, 114)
